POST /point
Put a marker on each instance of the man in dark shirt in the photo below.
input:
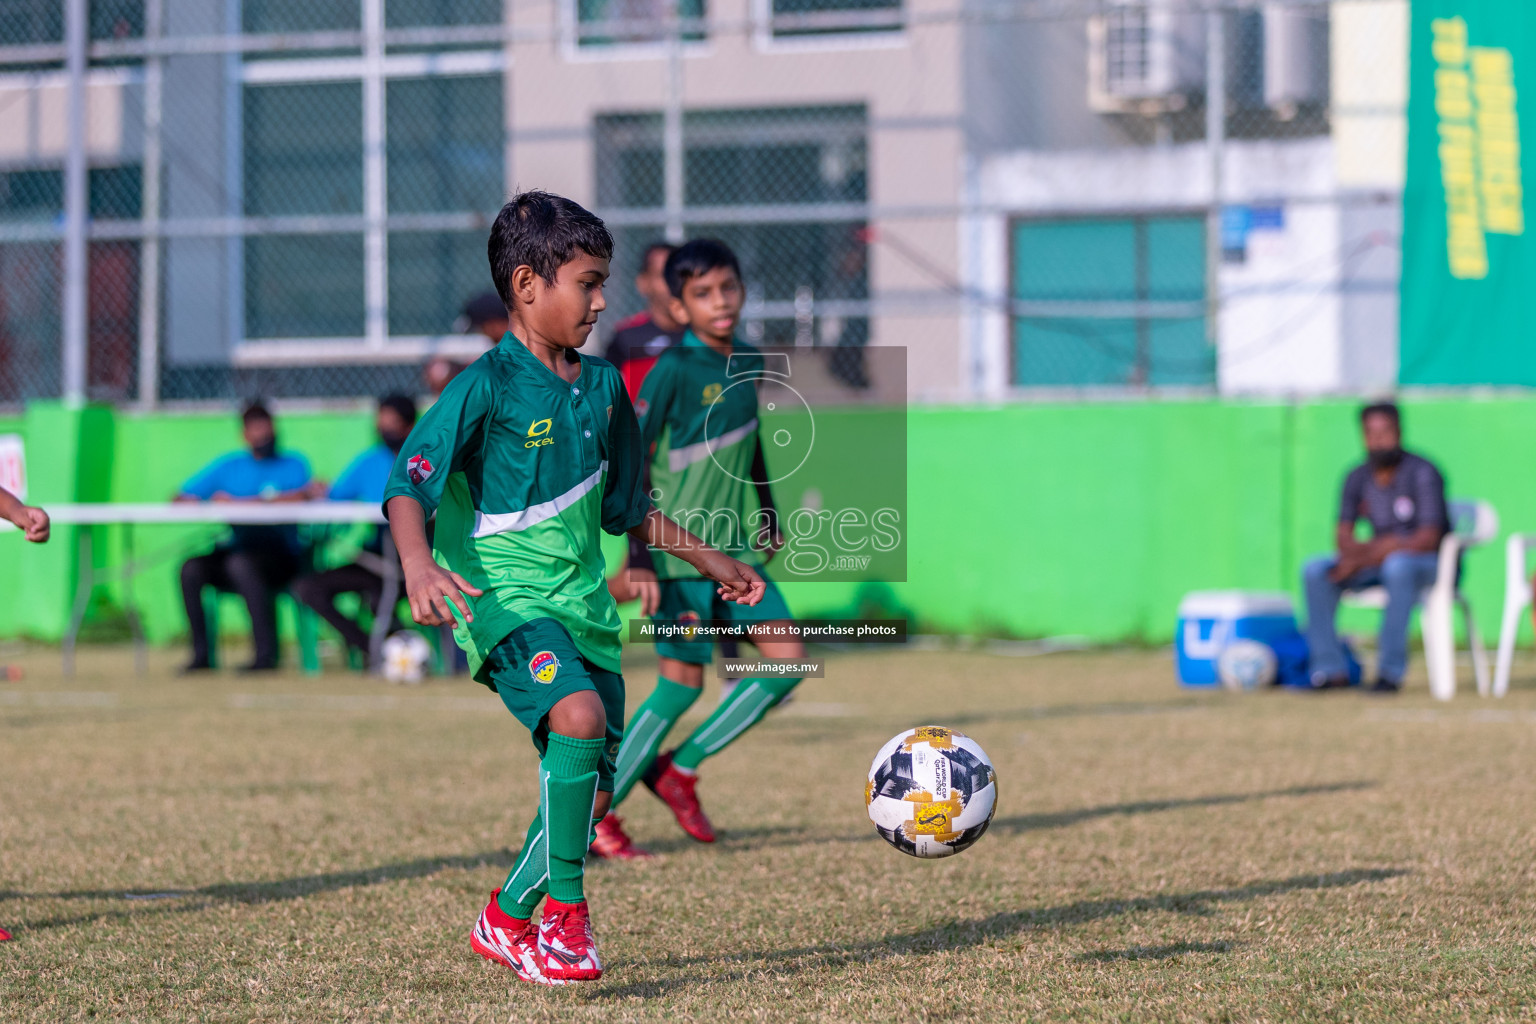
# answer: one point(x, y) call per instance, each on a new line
point(1402, 496)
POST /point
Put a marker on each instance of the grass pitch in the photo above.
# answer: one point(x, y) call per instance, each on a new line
point(230, 849)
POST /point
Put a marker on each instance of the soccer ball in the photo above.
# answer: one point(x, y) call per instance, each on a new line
point(405, 657)
point(931, 792)
point(1246, 665)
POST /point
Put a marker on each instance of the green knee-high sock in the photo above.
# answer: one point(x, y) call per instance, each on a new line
point(529, 876)
point(647, 730)
point(567, 792)
point(743, 709)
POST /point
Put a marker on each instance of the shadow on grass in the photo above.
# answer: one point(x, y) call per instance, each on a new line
point(185, 900)
point(795, 835)
point(1154, 952)
point(954, 935)
point(1059, 819)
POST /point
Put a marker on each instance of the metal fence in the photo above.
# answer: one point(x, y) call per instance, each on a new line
point(210, 199)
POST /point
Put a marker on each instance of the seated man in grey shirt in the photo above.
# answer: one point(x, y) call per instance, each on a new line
point(1402, 496)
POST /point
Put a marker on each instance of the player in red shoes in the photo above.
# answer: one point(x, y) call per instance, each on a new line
point(524, 459)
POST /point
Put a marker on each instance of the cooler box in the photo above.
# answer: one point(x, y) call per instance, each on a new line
point(1211, 619)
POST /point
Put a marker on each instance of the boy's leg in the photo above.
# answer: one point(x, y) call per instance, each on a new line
point(527, 881)
point(544, 681)
point(746, 706)
point(677, 687)
point(751, 699)
point(647, 731)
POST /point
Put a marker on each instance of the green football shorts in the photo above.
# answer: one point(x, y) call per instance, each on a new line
point(537, 665)
point(695, 600)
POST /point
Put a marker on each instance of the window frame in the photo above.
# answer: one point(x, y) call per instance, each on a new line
point(373, 69)
point(766, 40)
point(1101, 214)
point(577, 52)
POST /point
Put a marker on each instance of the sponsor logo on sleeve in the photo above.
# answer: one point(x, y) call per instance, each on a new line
point(417, 468)
point(543, 666)
point(642, 407)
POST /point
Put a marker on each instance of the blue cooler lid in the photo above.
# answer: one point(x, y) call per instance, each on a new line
point(1235, 604)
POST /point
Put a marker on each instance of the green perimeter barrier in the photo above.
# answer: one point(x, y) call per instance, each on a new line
point(1086, 519)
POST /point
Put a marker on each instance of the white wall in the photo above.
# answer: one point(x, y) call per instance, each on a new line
point(1309, 310)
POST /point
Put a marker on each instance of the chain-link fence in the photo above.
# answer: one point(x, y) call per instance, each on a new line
point(210, 199)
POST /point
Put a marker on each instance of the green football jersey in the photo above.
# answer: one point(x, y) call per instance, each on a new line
point(522, 470)
point(699, 410)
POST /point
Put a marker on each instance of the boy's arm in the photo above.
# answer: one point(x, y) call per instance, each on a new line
point(769, 539)
point(33, 520)
point(429, 587)
point(739, 582)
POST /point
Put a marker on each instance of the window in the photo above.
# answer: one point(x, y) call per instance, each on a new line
point(444, 141)
point(418, 13)
point(300, 15)
point(42, 21)
point(791, 18)
point(304, 149)
point(610, 22)
point(445, 154)
point(1110, 302)
point(734, 162)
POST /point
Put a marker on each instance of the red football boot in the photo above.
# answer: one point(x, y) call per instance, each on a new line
point(676, 789)
point(567, 950)
point(5, 936)
point(613, 843)
point(507, 941)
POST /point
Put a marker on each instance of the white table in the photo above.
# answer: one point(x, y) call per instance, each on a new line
point(222, 513)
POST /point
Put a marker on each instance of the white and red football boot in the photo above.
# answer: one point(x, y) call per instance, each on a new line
point(567, 950)
point(505, 940)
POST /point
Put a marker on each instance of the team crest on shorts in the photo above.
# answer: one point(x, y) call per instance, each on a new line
point(543, 666)
point(689, 622)
point(418, 468)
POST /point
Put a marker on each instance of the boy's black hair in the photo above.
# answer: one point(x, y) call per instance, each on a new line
point(699, 256)
point(543, 231)
point(1387, 409)
point(403, 406)
point(255, 410)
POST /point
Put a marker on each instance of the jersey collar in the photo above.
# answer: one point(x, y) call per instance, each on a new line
point(530, 364)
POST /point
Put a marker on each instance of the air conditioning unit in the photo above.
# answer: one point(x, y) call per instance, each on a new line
point(1146, 57)
point(1295, 56)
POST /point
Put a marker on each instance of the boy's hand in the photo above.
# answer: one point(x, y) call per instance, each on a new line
point(431, 589)
point(629, 584)
point(642, 584)
point(739, 582)
point(34, 521)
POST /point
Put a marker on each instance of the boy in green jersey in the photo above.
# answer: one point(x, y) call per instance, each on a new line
point(698, 406)
point(525, 456)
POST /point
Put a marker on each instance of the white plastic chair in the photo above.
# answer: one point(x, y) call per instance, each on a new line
point(1472, 523)
point(1517, 597)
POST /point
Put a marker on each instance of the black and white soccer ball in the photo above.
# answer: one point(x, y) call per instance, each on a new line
point(931, 792)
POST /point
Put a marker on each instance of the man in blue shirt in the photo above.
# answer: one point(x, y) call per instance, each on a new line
point(257, 560)
point(363, 480)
